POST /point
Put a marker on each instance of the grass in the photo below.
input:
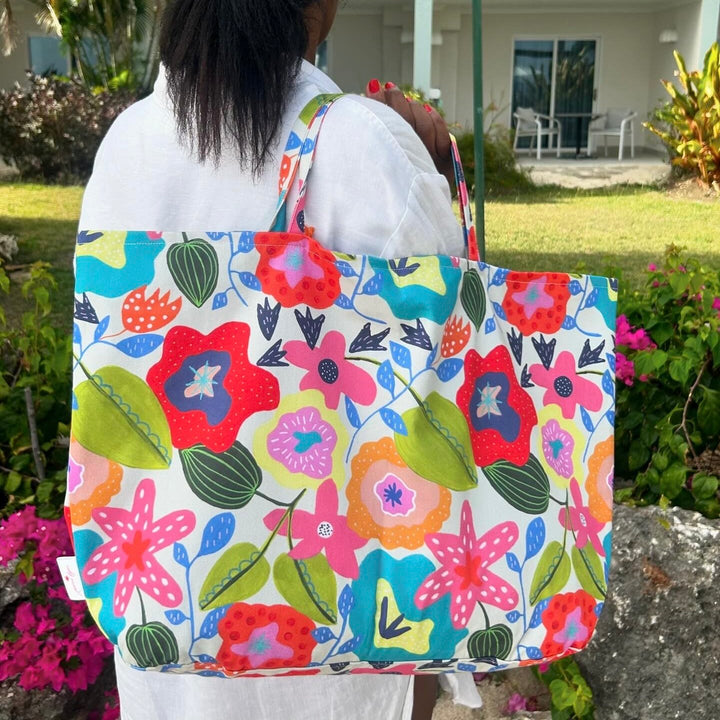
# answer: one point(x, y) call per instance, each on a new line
point(599, 231)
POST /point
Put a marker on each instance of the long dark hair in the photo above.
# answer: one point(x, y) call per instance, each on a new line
point(231, 65)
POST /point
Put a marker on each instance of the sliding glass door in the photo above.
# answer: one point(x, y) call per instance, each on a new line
point(556, 77)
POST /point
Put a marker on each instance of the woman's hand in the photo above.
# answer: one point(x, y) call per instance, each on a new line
point(424, 119)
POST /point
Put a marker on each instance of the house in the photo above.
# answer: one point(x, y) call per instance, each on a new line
point(558, 56)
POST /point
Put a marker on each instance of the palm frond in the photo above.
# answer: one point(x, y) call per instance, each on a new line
point(7, 28)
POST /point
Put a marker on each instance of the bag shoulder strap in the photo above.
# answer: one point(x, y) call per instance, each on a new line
point(298, 159)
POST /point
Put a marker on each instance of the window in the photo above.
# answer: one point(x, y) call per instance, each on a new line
point(46, 55)
point(556, 77)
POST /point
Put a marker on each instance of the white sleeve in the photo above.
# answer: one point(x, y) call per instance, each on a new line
point(374, 189)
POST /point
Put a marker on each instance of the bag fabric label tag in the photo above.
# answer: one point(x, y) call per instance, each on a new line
point(71, 577)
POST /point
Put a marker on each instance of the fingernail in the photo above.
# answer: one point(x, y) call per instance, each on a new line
point(390, 85)
point(427, 107)
point(374, 86)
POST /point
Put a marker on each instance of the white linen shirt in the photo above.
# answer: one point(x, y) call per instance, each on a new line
point(373, 190)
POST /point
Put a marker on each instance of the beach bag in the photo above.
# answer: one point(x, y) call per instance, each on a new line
point(285, 460)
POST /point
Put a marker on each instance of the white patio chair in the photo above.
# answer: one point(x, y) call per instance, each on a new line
point(614, 123)
point(528, 123)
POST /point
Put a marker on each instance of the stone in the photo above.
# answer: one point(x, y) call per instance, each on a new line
point(8, 247)
point(656, 652)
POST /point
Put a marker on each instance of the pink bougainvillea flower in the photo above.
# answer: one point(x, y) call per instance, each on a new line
point(565, 387)
point(329, 371)
point(322, 530)
point(569, 620)
point(580, 520)
point(134, 539)
point(464, 572)
point(624, 369)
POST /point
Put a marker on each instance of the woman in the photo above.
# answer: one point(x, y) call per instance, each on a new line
point(203, 152)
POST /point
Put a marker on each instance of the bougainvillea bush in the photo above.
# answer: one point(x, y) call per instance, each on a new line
point(53, 642)
point(668, 401)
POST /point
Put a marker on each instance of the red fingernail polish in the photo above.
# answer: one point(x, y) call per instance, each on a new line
point(374, 86)
point(390, 85)
point(427, 107)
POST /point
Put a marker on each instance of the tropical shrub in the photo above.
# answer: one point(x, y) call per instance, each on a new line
point(668, 390)
point(52, 130)
point(35, 393)
point(570, 695)
point(689, 124)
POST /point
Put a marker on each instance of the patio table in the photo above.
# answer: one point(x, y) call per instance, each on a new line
point(579, 117)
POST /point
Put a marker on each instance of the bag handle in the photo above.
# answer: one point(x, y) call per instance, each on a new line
point(298, 159)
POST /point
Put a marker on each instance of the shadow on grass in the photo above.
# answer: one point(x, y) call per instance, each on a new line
point(554, 193)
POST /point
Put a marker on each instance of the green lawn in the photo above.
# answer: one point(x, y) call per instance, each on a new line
point(549, 229)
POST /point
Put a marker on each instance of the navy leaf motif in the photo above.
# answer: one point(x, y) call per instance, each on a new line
point(365, 341)
point(545, 350)
point(85, 237)
point(85, 311)
point(526, 378)
point(352, 413)
point(209, 627)
point(395, 627)
point(416, 336)
point(267, 318)
point(273, 357)
point(310, 326)
point(515, 340)
point(139, 345)
point(401, 355)
point(217, 533)
point(591, 356)
point(401, 268)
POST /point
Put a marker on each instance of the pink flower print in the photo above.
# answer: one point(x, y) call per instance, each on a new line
point(322, 530)
point(329, 371)
point(565, 387)
point(573, 633)
point(558, 446)
point(578, 519)
point(304, 443)
point(296, 263)
point(134, 540)
point(202, 381)
point(262, 646)
point(534, 297)
point(465, 561)
point(395, 497)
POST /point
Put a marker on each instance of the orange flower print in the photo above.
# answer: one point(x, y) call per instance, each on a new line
point(599, 485)
point(455, 337)
point(390, 502)
point(141, 314)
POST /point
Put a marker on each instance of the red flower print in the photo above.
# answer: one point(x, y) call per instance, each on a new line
point(295, 269)
point(464, 572)
point(570, 621)
point(565, 387)
point(134, 539)
point(322, 530)
point(329, 371)
point(207, 387)
point(581, 522)
point(499, 413)
point(141, 314)
point(536, 302)
point(264, 636)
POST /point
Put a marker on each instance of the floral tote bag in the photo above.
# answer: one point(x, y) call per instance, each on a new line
point(287, 460)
